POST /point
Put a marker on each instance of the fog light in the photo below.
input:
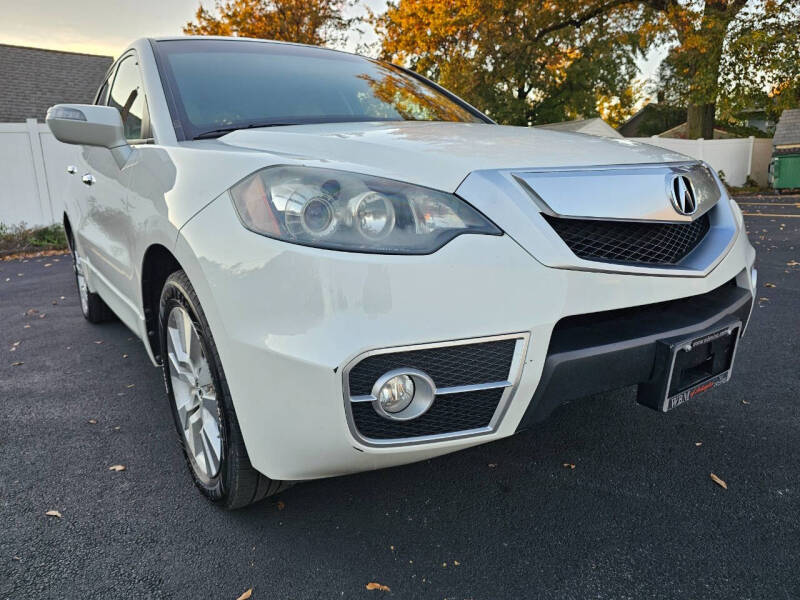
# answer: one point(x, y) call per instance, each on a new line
point(396, 394)
point(403, 394)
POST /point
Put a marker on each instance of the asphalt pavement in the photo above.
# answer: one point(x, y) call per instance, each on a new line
point(638, 516)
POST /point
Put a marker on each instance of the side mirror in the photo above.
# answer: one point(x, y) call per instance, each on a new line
point(90, 125)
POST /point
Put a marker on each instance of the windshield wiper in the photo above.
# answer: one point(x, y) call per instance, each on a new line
point(222, 131)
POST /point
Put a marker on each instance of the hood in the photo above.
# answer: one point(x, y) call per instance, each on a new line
point(439, 154)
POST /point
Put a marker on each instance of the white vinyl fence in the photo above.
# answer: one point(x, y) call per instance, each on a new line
point(33, 173)
point(737, 158)
point(33, 177)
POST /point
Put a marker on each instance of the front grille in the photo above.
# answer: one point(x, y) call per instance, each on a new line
point(455, 365)
point(629, 242)
point(465, 364)
point(448, 413)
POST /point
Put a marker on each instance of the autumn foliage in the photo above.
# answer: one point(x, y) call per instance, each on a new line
point(316, 22)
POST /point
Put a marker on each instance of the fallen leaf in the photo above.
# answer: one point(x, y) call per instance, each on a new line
point(93, 421)
point(117, 468)
point(770, 285)
point(281, 505)
point(246, 595)
point(719, 481)
point(568, 465)
point(377, 586)
point(53, 513)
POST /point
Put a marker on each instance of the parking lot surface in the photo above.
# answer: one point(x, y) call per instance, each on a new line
point(637, 517)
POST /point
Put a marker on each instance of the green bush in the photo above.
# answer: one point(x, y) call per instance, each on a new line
point(21, 238)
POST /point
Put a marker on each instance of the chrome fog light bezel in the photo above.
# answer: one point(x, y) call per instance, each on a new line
point(422, 400)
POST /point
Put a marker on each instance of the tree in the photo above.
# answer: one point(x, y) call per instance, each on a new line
point(761, 65)
point(724, 51)
point(550, 60)
point(520, 61)
point(316, 22)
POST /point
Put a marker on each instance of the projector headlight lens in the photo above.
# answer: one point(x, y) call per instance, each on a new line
point(346, 211)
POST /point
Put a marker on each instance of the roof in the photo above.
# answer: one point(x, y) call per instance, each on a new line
point(33, 79)
point(594, 126)
point(787, 131)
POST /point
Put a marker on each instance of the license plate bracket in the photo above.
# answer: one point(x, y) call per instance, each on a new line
point(688, 366)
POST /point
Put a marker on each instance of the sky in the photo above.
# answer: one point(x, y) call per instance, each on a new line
point(108, 26)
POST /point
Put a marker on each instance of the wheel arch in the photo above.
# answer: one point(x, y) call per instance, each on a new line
point(68, 231)
point(158, 263)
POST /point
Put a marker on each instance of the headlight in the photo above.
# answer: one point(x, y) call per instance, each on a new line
point(346, 211)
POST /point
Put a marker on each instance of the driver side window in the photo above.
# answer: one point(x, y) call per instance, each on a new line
point(127, 96)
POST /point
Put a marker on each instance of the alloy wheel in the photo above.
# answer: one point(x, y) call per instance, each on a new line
point(194, 395)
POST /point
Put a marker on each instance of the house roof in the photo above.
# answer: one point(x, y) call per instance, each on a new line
point(787, 131)
point(33, 79)
point(595, 126)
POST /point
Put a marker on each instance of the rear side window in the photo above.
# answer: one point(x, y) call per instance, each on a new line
point(127, 96)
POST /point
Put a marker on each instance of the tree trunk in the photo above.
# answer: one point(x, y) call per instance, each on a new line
point(700, 121)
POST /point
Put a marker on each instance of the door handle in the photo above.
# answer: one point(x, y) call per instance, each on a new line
point(88, 179)
point(72, 169)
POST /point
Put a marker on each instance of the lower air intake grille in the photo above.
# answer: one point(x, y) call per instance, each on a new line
point(626, 241)
point(450, 365)
point(450, 412)
point(447, 365)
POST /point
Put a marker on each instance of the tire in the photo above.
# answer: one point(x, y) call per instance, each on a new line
point(92, 306)
point(212, 443)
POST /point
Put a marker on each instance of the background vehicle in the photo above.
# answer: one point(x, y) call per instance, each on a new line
point(340, 266)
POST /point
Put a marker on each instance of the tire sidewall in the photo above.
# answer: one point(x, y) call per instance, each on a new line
point(174, 295)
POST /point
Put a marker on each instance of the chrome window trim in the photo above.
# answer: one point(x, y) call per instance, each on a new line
point(510, 385)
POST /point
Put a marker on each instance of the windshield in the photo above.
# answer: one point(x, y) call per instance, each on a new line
point(221, 85)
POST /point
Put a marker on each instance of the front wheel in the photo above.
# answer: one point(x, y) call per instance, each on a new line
point(200, 400)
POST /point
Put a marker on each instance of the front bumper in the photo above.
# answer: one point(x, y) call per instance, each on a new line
point(294, 318)
point(593, 353)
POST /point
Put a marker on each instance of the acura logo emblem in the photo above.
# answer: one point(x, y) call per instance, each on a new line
point(682, 193)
